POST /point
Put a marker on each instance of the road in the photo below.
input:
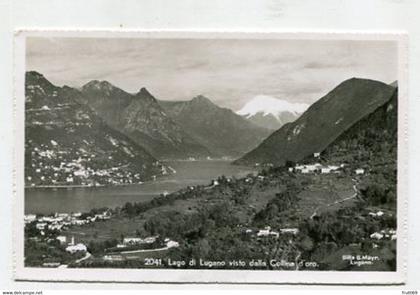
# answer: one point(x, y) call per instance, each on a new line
point(353, 196)
point(87, 256)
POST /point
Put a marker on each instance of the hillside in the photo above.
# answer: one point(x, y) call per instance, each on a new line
point(372, 140)
point(322, 123)
point(140, 117)
point(66, 143)
point(221, 130)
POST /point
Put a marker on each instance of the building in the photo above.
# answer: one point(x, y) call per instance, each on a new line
point(41, 225)
point(132, 241)
point(293, 231)
point(359, 171)
point(76, 248)
point(263, 233)
point(317, 155)
point(304, 170)
point(62, 239)
point(149, 240)
point(376, 236)
point(29, 218)
point(172, 244)
point(325, 170)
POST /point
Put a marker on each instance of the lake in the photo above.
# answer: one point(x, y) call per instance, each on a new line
point(82, 199)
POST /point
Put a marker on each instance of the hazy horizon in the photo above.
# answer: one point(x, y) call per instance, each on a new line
point(229, 72)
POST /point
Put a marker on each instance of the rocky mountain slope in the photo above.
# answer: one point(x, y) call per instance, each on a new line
point(66, 143)
point(322, 123)
point(140, 117)
point(270, 112)
point(221, 130)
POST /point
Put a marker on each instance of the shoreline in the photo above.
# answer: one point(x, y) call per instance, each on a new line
point(75, 186)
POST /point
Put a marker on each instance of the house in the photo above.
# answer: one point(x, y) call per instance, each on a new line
point(293, 231)
point(291, 169)
point(359, 171)
point(317, 155)
point(172, 244)
point(149, 240)
point(76, 248)
point(55, 226)
point(41, 225)
point(263, 233)
point(325, 170)
point(132, 241)
point(62, 239)
point(29, 218)
point(376, 236)
point(304, 170)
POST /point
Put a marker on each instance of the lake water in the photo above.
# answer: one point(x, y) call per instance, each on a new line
point(48, 200)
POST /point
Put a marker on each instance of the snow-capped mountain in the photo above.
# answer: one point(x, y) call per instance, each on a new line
point(270, 112)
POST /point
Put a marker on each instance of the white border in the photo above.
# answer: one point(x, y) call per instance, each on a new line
point(209, 276)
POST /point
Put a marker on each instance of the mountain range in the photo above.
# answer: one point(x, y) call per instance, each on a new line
point(269, 112)
point(100, 134)
point(322, 123)
point(140, 117)
point(222, 131)
point(66, 143)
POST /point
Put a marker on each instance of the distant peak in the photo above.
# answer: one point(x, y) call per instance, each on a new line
point(394, 84)
point(34, 74)
point(36, 78)
point(98, 85)
point(356, 80)
point(144, 91)
point(202, 99)
point(145, 94)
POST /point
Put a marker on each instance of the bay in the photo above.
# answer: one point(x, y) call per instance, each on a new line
point(83, 199)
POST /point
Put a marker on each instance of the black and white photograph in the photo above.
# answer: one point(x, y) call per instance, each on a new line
point(268, 154)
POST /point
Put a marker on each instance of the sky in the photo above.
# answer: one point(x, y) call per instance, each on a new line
point(230, 72)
